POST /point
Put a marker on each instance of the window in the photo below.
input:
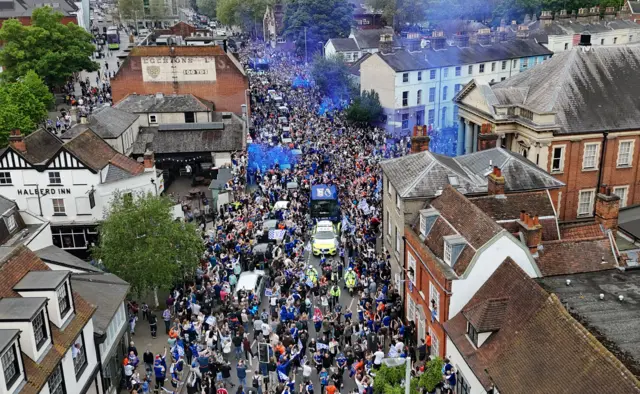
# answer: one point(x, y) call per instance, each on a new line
point(557, 160)
point(189, 117)
point(398, 202)
point(431, 117)
point(585, 202)
point(455, 113)
point(69, 238)
point(58, 206)
point(525, 63)
point(419, 75)
point(79, 353)
point(615, 40)
point(621, 191)
point(63, 299)
point(10, 222)
point(566, 46)
point(434, 302)
point(602, 41)
point(470, 70)
point(462, 384)
point(458, 71)
point(435, 342)
point(447, 252)
point(153, 118)
point(444, 93)
point(514, 63)
point(55, 178)
point(481, 68)
point(411, 268)
point(411, 309)
point(625, 153)
point(5, 178)
point(405, 99)
point(39, 330)
point(590, 156)
point(493, 66)
point(472, 334)
point(630, 37)
point(423, 225)
point(432, 74)
point(405, 77)
point(432, 95)
point(397, 240)
point(56, 381)
point(388, 223)
point(405, 121)
point(419, 99)
point(457, 88)
point(446, 71)
point(389, 187)
point(503, 78)
point(443, 117)
point(11, 366)
point(420, 118)
point(504, 64)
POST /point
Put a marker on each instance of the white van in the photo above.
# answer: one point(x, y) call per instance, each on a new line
point(250, 281)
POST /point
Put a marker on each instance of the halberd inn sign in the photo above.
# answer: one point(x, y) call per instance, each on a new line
point(43, 192)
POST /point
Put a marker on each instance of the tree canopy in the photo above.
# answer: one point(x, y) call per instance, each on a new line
point(322, 19)
point(53, 50)
point(331, 75)
point(207, 7)
point(131, 9)
point(390, 380)
point(244, 13)
point(158, 10)
point(141, 243)
point(23, 105)
point(365, 109)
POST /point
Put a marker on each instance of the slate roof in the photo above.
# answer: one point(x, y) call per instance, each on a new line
point(54, 255)
point(629, 221)
point(6, 204)
point(571, 27)
point(354, 69)
point(26, 8)
point(573, 256)
point(7, 336)
point(344, 44)
point(615, 323)
point(602, 78)
point(402, 60)
point(197, 137)
point(508, 206)
point(19, 308)
point(41, 146)
point(42, 280)
point(97, 154)
point(423, 174)
point(370, 38)
point(13, 267)
point(106, 291)
point(634, 6)
point(107, 122)
point(136, 103)
point(487, 315)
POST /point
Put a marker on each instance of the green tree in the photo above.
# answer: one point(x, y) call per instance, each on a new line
point(23, 105)
point(131, 10)
point(142, 243)
point(401, 12)
point(158, 10)
point(207, 7)
point(53, 50)
point(317, 21)
point(365, 109)
point(247, 14)
point(331, 75)
point(390, 380)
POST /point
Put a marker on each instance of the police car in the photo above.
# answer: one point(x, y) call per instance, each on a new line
point(325, 239)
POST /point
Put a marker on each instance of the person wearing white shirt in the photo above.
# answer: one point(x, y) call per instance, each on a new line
point(378, 356)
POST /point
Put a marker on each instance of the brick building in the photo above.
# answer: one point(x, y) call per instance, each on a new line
point(575, 116)
point(208, 73)
point(22, 10)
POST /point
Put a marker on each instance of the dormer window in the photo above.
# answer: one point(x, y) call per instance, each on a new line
point(55, 286)
point(10, 359)
point(10, 222)
point(485, 318)
point(452, 248)
point(39, 330)
point(427, 219)
point(63, 299)
point(472, 334)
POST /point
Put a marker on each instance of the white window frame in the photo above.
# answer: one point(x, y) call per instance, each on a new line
point(56, 380)
point(629, 161)
point(446, 254)
point(481, 68)
point(562, 148)
point(585, 164)
point(398, 240)
point(398, 202)
point(411, 309)
point(10, 358)
point(434, 295)
point(423, 225)
point(419, 75)
point(435, 342)
point(623, 196)
point(405, 80)
point(388, 186)
point(419, 97)
point(10, 222)
point(458, 71)
point(589, 212)
point(388, 223)
point(411, 265)
point(432, 95)
point(153, 119)
point(405, 98)
point(59, 209)
point(53, 175)
point(504, 65)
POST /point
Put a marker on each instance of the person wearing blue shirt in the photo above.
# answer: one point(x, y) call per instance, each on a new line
point(160, 369)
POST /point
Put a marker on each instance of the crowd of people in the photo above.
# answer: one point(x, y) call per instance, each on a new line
point(295, 329)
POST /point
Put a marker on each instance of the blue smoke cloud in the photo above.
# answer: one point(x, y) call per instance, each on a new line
point(265, 157)
point(300, 82)
point(328, 104)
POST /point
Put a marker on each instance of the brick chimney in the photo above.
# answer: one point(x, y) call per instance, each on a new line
point(419, 139)
point(609, 13)
point(16, 140)
point(583, 15)
point(546, 18)
point(531, 228)
point(149, 161)
point(495, 186)
point(386, 43)
point(607, 209)
point(487, 139)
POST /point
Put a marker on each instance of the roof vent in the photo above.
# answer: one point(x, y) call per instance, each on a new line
point(226, 115)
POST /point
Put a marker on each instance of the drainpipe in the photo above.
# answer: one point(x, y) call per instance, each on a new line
point(601, 165)
point(404, 274)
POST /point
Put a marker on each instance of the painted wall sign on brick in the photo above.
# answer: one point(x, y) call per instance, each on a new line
point(180, 68)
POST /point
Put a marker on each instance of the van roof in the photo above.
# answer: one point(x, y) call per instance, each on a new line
point(248, 280)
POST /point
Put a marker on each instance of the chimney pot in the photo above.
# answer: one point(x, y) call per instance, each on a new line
point(16, 140)
point(532, 231)
point(149, 160)
point(522, 213)
point(495, 182)
point(607, 209)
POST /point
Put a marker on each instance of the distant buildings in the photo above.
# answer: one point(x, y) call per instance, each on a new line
point(205, 72)
point(633, 7)
point(76, 12)
point(273, 25)
point(358, 44)
point(575, 116)
point(417, 84)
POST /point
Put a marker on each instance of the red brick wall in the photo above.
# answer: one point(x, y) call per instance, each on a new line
point(425, 275)
point(576, 179)
point(227, 92)
point(26, 20)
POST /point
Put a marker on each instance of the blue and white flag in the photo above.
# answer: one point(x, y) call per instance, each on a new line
point(276, 234)
point(283, 377)
point(322, 346)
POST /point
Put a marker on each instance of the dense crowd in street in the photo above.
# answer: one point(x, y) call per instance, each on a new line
point(301, 334)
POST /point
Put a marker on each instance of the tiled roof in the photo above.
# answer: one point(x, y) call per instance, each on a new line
point(107, 122)
point(55, 255)
point(97, 154)
point(488, 315)
point(104, 290)
point(574, 256)
point(508, 206)
point(136, 103)
point(581, 231)
point(123, 162)
point(344, 44)
point(41, 146)
point(23, 8)
point(13, 268)
point(553, 353)
point(370, 38)
point(524, 297)
point(549, 228)
point(576, 79)
point(634, 6)
point(423, 174)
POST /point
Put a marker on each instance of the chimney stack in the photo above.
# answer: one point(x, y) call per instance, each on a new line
point(562, 15)
point(487, 139)
point(495, 182)
point(607, 209)
point(419, 139)
point(594, 14)
point(149, 161)
point(609, 13)
point(386, 43)
point(583, 15)
point(484, 36)
point(546, 18)
point(16, 140)
point(531, 228)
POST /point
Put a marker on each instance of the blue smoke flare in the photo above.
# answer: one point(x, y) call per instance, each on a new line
point(300, 82)
point(265, 157)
